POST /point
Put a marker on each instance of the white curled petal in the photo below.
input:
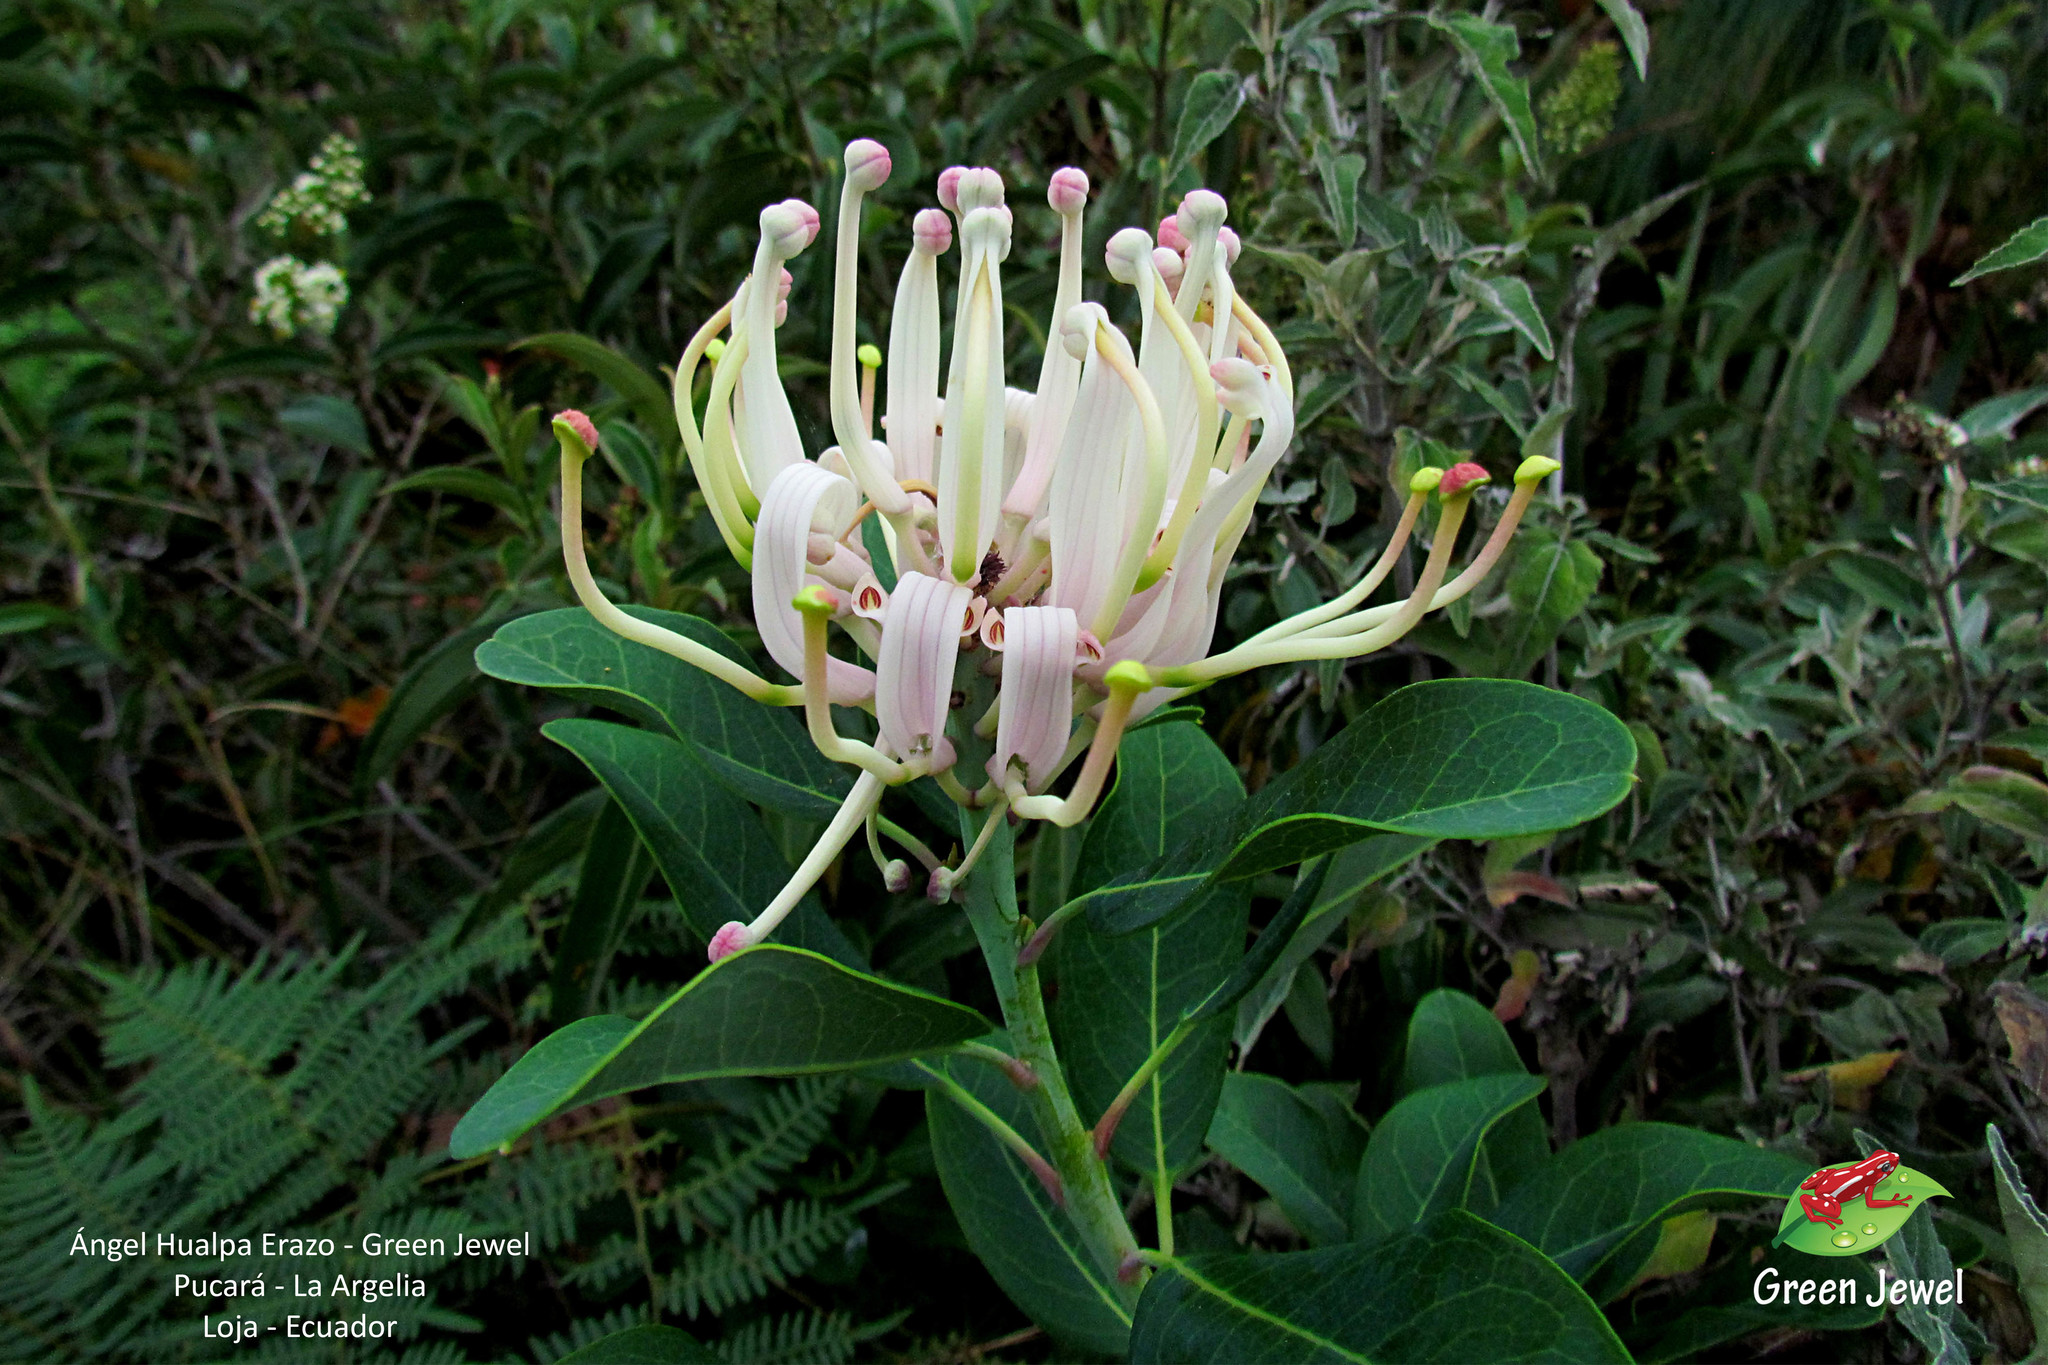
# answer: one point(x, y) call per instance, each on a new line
point(913, 393)
point(803, 500)
point(768, 438)
point(1086, 507)
point(1038, 693)
point(914, 673)
point(1212, 538)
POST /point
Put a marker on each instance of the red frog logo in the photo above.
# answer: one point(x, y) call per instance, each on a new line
point(1833, 1186)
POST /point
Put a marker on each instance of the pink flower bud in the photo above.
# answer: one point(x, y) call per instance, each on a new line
point(1068, 192)
point(933, 231)
point(1232, 244)
point(728, 940)
point(1170, 235)
point(867, 164)
point(579, 424)
point(1170, 265)
point(949, 187)
point(1462, 477)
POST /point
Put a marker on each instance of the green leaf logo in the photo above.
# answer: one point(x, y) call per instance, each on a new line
point(1866, 1222)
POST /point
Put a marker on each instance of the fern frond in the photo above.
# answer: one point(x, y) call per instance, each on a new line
point(807, 1338)
point(771, 1247)
point(786, 1126)
point(551, 1348)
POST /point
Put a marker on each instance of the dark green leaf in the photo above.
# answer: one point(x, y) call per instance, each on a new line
point(1012, 114)
point(759, 751)
point(1213, 99)
point(1420, 1159)
point(1029, 1246)
point(1597, 1206)
point(2026, 1230)
point(1916, 1253)
point(1351, 871)
point(1456, 759)
point(1508, 298)
point(620, 269)
point(1452, 1037)
point(1453, 1290)
point(325, 417)
point(552, 841)
point(1120, 995)
point(647, 1344)
point(467, 482)
point(1880, 582)
point(766, 1011)
point(1303, 1153)
point(1487, 48)
point(2024, 247)
point(649, 400)
point(616, 867)
point(1460, 758)
point(1273, 941)
point(718, 861)
point(1995, 418)
point(2025, 492)
point(1724, 1306)
point(429, 690)
point(1635, 34)
point(18, 617)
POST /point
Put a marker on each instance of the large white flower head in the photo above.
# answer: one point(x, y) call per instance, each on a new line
point(1023, 571)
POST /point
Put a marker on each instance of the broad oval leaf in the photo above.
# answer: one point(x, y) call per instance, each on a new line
point(1300, 1145)
point(759, 751)
point(1028, 1245)
point(1383, 1302)
point(1420, 1159)
point(1452, 1037)
point(1463, 758)
point(717, 859)
point(651, 1343)
point(1597, 1206)
point(766, 1011)
point(1121, 994)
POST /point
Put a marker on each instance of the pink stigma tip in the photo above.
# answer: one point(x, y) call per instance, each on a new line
point(933, 231)
point(579, 424)
point(1068, 191)
point(728, 940)
point(867, 163)
point(1460, 477)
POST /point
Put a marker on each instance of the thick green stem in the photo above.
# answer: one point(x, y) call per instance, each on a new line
point(1091, 1202)
point(1066, 1141)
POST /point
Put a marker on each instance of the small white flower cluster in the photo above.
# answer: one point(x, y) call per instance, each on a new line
point(292, 295)
point(319, 199)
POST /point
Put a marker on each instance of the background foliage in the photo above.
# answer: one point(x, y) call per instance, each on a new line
point(253, 783)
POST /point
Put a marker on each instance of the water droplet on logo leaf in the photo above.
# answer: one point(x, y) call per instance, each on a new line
point(1844, 1239)
point(1870, 1229)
